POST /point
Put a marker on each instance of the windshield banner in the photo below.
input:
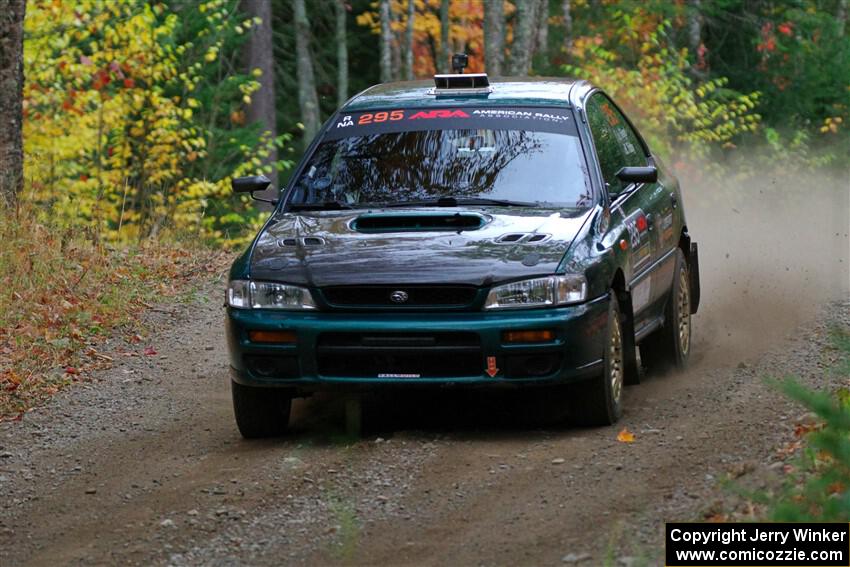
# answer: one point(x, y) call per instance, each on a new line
point(353, 124)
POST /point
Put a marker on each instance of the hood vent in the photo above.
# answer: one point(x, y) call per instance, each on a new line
point(418, 223)
point(308, 241)
point(523, 237)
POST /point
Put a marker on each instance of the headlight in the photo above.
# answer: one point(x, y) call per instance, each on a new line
point(243, 294)
point(539, 292)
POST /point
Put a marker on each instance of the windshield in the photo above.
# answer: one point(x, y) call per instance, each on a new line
point(477, 163)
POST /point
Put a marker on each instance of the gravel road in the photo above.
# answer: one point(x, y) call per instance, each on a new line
point(144, 465)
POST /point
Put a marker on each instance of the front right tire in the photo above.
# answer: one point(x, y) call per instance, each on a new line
point(598, 401)
point(261, 412)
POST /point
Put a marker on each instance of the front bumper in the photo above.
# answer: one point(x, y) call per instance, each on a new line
point(335, 350)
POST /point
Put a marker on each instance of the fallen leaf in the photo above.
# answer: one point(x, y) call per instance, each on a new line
point(150, 351)
point(626, 436)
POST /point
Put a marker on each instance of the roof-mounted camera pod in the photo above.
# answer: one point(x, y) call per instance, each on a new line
point(459, 83)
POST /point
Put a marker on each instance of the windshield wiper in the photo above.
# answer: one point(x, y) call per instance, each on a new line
point(325, 206)
point(455, 201)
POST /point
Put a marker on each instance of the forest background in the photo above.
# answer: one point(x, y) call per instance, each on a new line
point(137, 113)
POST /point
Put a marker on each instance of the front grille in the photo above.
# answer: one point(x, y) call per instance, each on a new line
point(416, 296)
point(395, 355)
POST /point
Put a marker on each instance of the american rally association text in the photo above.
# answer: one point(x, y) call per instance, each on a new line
point(756, 534)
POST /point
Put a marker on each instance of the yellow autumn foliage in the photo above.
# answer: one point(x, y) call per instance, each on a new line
point(112, 143)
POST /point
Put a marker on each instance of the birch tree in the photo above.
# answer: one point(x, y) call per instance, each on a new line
point(341, 53)
point(568, 26)
point(694, 26)
point(494, 36)
point(386, 43)
point(308, 100)
point(543, 27)
point(395, 45)
point(523, 44)
point(11, 97)
point(443, 60)
point(408, 49)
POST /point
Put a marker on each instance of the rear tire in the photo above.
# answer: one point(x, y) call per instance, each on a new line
point(260, 412)
point(598, 401)
point(669, 347)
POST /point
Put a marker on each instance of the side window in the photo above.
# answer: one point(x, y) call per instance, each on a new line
point(616, 143)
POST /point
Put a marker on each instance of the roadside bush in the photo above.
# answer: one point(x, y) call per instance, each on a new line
point(819, 490)
point(676, 114)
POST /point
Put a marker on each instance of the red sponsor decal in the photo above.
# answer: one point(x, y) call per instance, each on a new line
point(427, 115)
point(491, 366)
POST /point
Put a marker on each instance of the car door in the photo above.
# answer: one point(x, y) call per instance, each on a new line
point(618, 145)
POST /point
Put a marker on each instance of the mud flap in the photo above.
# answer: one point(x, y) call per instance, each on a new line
point(693, 265)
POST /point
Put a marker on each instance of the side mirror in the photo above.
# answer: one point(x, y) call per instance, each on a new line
point(647, 174)
point(251, 184)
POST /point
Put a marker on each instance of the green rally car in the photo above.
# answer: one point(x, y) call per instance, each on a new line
point(464, 233)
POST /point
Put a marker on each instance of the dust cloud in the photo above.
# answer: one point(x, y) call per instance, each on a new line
point(773, 251)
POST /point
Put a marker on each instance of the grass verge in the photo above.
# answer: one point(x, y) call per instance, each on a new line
point(62, 296)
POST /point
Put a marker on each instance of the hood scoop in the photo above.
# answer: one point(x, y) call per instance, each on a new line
point(418, 222)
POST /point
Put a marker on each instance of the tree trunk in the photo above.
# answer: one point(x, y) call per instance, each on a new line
point(408, 48)
point(308, 100)
point(494, 36)
point(259, 55)
point(543, 27)
point(341, 53)
point(396, 46)
point(386, 43)
point(443, 61)
point(841, 17)
point(523, 45)
point(568, 27)
point(694, 26)
point(11, 100)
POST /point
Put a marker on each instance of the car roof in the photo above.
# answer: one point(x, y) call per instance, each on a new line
point(506, 91)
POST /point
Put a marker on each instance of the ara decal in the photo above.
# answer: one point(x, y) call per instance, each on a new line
point(431, 114)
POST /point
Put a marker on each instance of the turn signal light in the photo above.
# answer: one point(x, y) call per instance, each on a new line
point(279, 337)
point(539, 336)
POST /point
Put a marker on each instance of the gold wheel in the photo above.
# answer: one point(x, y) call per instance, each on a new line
point(616, 365)
point(684, 300)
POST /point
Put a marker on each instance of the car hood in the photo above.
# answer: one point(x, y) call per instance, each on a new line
point(341, 248)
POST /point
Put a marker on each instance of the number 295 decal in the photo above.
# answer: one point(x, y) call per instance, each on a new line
point(370, 118)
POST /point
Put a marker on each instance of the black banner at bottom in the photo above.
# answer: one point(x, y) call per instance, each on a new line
point(757, 545)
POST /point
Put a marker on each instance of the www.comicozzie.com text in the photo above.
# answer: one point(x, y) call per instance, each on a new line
point(756, 534)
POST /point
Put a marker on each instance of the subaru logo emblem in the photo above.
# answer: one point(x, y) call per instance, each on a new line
point(399, 296)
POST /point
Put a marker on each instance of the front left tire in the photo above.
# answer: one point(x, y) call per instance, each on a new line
point(261, 412)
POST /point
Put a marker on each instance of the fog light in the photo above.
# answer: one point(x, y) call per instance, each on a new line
point(539, 336)
point(279, 337)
